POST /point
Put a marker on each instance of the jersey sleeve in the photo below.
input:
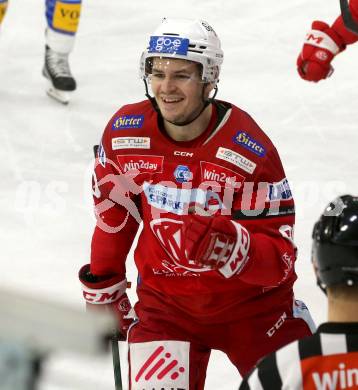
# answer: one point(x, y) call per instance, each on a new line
point(117, 212)
point(265, 208)
point(338, 26)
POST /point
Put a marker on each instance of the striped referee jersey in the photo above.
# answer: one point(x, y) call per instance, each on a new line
point(327, 360)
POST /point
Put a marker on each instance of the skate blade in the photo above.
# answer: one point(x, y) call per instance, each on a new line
point(60, 96)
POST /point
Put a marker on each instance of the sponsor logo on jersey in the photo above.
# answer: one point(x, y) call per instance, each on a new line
point(183, 154)
point(160, 365)
point(279, 191)
point(219, 174)
point(237, 159)
point(165, 198)
point(102, 158)
point(178, 200)
point(331, 371)
point(144, 164)
point(245, 140)
point(183, 174)
point(170, 45)
point(128, 122)
point(130, 143)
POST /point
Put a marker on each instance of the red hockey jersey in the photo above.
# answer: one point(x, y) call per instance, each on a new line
point(234, 169)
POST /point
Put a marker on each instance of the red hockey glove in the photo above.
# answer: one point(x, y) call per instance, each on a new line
point(107, 293)
point(217, 242)
point(321, 45)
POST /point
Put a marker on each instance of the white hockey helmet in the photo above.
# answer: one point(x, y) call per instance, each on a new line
point(186, 39)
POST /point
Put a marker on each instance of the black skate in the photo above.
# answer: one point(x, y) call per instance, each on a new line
point(57, 71)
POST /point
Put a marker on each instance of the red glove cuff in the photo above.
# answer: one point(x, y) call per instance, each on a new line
point(102, 291)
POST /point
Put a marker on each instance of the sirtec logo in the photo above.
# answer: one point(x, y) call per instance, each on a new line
point(128, 122)
point(245, 140)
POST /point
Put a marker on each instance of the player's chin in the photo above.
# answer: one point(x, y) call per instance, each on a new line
point(172, 116)
point(174, 119)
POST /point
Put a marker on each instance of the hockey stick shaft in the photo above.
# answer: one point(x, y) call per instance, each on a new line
point(116, 364)
point(348, 20)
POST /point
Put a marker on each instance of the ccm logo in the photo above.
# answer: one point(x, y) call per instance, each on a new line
point(183, 154)
point(277, 325)
point(103, 297)
point(311, 37)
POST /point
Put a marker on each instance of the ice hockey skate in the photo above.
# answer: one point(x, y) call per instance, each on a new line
point(57, 71)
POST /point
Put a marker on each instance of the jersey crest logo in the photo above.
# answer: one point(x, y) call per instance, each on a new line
point(169, 233)
point(183, 174)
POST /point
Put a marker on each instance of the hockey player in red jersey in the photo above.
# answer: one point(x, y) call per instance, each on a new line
point(215, 256)
point(329, 358)
point(323, 43)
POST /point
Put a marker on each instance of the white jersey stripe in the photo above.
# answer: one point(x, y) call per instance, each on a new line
point(289, 366)
point(333, 343)
point(254, 381)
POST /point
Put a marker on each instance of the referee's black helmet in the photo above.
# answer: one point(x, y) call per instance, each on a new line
point(335, 243)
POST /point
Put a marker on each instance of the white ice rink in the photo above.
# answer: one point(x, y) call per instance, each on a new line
point(46, 215)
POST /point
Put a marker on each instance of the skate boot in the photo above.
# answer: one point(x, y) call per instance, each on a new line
point(57, 71)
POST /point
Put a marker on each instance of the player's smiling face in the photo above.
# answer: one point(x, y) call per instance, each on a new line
point(177, 88)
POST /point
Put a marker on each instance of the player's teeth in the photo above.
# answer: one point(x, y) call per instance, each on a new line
point(171, 100)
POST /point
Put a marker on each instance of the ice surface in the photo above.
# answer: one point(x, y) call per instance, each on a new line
point(46, 216)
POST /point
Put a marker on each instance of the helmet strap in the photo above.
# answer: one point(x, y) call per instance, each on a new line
point(322, 287)
point(151, 98)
